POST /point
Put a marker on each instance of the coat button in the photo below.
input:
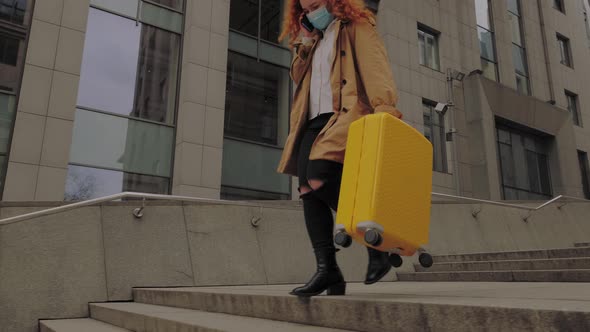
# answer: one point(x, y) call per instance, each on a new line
point(343, 82)
point(344, 109)
point(342, 53)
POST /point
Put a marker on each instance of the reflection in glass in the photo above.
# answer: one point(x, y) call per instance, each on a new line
point(482, 13)
point(489, 69)
point(125, 7)
point(113, 142)
point(272, 14)
point(161, 17)
point(486, 44)
point(83, 183)
point(7, 106)
point(428, 47)
point(257, 100)
point(252, 166)
point(112, 80)
point(434, 131)
point(176, 4)
point(524, 165)
point(519, 58)
point(9, 50)
point(244, 16)
point(13, 10)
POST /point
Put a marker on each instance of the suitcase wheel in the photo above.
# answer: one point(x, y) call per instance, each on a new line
point(342, 239)
point(425, 259)
point(373, 237)
point(395, 260)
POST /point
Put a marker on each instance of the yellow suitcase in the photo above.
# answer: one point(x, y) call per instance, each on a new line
point(385, 195)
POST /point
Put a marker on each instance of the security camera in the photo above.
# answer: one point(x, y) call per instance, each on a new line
point(441, 108)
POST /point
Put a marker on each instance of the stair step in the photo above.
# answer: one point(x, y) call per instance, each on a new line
point(500, 276)
point(582, 244)
point(155, 318)
point(398, 306)
point(510, 265)
point(578, 252)
point(77, 325)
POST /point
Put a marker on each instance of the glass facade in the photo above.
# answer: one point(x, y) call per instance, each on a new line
point(257, 105)
point(524, 165)
point(123, 137)
point(487, 41)
point(519, 55)
point(13, 11)
point(434, 130)
point(428, 48)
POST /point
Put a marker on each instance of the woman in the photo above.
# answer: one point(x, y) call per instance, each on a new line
point(341, 73)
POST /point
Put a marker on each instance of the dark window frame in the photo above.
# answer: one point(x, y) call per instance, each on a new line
point(426, 30)
point(585, 172)
point(576, 115)
point(559, 5)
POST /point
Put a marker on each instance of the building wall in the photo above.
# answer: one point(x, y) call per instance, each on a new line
point(40, 148)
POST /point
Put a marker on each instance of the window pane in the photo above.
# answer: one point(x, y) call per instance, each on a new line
point(422, 47)
point(522, 85)
point(238, 194)
point(519, 59)
point(13, 10)
point(504, 136)
point(486, 44)
point(483, 14)
point(572, 106)
point(113, 142)
point(7, 105)
point(275, 55)
point(513, 6)
point(83, 183)
point(8, 50)
point(507, 162)
point(160, 17)
point(544, 174)
point(533, 170)
point(125, 7)
point(157, 75)
point(176, 4)
point(272, 16)
point(252, 166)
point(515, 28)
point(257, 103)
point(489, 69)
point(243, 44)
point(114, 82)
point(244, 16)
point(585, 172)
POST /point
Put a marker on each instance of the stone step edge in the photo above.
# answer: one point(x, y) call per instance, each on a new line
point(515, 252)
point(74, 325)
point(509, 261)
point(383, 315)
point(206, 324)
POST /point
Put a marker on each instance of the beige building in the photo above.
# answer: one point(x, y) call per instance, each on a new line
point(192, 97)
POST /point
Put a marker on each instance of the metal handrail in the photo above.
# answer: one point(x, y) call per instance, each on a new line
point(138, 211)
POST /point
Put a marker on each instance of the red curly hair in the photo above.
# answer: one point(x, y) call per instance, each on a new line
point(350, 10)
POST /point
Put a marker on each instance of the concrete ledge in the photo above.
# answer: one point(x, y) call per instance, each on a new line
point(399, 306)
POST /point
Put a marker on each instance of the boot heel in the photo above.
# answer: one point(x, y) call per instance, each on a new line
point(338, 289)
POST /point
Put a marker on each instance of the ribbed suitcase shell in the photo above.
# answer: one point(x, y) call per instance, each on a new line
point(387, 183)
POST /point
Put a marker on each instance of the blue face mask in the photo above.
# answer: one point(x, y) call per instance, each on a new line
point(320, 18)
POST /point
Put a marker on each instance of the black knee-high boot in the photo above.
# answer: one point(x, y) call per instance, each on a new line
point(320, 224)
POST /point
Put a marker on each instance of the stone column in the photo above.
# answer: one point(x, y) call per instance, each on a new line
point(39, 155)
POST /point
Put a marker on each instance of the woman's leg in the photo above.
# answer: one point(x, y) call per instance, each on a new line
point(320, 225)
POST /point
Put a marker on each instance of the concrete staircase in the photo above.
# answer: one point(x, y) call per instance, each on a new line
point(553, 265)
point(387, 306)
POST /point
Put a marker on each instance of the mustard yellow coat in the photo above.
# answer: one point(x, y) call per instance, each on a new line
point(362, 83)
